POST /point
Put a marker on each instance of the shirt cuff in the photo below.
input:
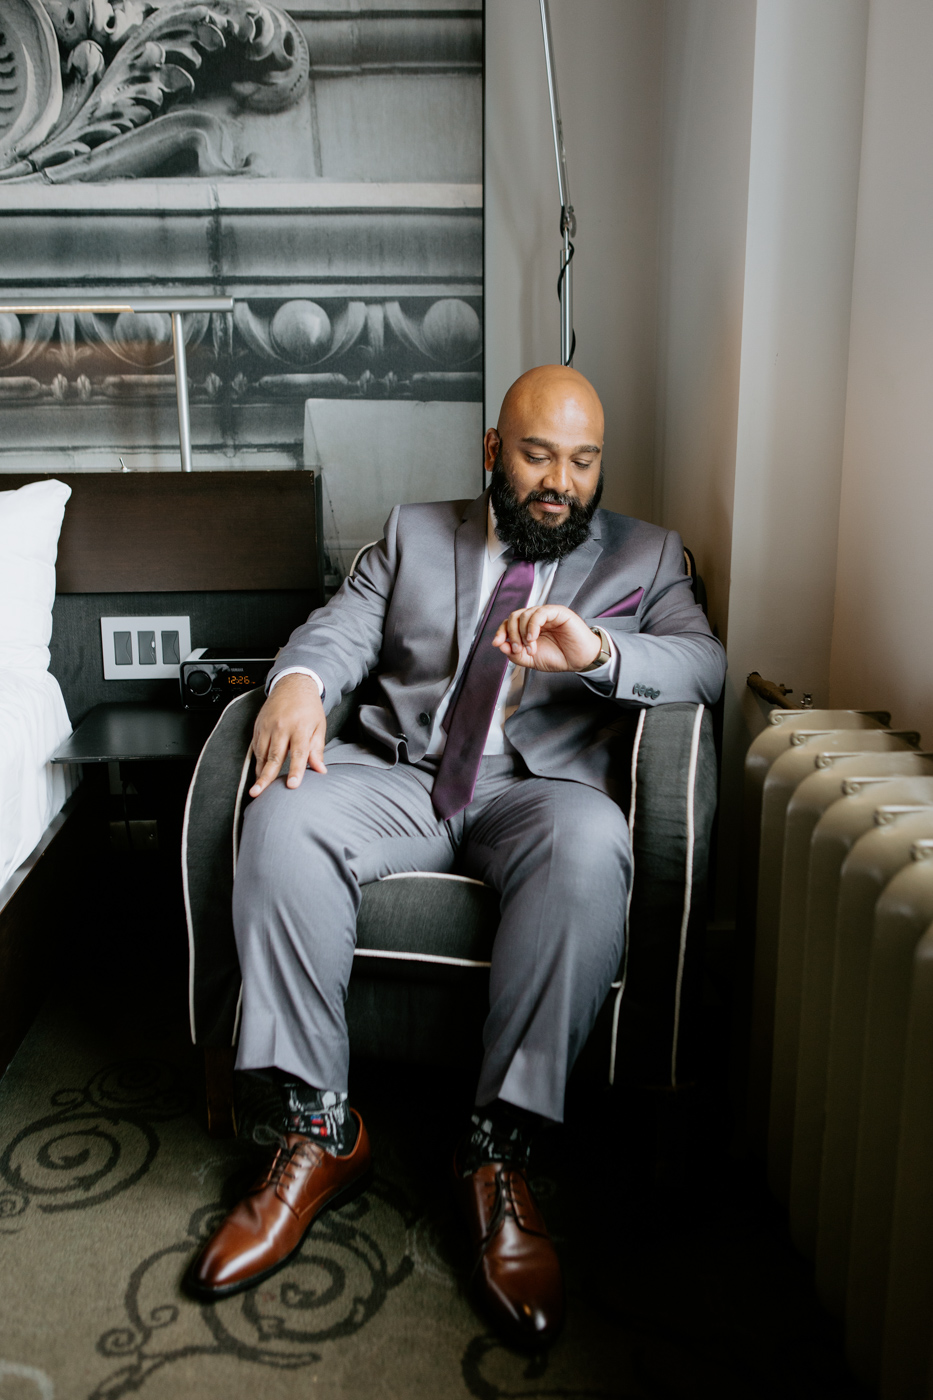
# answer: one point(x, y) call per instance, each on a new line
point(604, 679)
point(306, 671)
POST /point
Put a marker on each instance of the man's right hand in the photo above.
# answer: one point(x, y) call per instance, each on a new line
point(292, 721)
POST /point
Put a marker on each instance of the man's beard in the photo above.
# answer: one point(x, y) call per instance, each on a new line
point(533, 539)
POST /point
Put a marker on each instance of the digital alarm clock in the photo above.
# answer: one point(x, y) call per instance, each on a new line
point(213, 676)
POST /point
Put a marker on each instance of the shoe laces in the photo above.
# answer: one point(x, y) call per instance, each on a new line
point(502, 1202)
point(283, 1167)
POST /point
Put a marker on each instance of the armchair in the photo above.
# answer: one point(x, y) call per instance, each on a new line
point(419, 984)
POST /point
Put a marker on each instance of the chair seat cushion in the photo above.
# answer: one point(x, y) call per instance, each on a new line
point(426, 926)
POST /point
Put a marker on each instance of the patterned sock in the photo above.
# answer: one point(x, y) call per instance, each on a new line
point(499, 1132)
point(323, 1114)
point(270, 1103)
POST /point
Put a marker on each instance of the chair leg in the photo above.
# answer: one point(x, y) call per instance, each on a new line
point(218, 1084)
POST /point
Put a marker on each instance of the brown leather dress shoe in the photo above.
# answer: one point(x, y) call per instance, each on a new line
point(517, 1273)
point(266, 1229)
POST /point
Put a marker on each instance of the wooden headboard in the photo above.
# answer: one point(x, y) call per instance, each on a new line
point(239, 552)
point(158, 532)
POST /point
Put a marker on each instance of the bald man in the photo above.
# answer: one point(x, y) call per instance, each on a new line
point(505, 638)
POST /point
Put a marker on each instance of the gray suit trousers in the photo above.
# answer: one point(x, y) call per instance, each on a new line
point(557, 851)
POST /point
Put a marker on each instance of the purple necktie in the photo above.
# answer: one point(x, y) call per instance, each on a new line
point(474, 702)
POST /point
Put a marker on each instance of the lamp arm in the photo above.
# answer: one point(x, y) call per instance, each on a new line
point(560, 155)
point(104, 306)
point(568, 220)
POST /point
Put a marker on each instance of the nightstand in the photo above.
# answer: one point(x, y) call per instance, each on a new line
point(138, 760)
point(136, 733)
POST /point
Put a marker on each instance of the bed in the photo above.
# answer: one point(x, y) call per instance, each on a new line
point(209, 545)
point(33, 716)
point(33, 722)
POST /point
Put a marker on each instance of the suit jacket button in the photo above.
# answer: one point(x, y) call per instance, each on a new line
point(424, 718)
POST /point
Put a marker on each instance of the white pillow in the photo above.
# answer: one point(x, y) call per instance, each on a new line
point(30, 523)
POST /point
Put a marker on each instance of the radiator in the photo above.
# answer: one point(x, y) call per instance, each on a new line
point(801, 1062)
point(879, 1269)
point(908, 1316)
point(841, 1079)
point(766, 793)
point(873, 860)
point(836, 774)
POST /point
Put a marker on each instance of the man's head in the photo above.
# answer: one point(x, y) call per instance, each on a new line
point(545, 456)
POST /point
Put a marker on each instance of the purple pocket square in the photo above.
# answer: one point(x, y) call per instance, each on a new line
point(628, 606)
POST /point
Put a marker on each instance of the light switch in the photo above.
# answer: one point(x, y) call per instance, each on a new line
point(131, 646)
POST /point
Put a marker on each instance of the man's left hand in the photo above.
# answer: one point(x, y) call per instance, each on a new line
point(547, 638)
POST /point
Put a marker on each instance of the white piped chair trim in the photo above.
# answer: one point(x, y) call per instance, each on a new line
point(688, 884)
point(620, 985)
point(419, 958)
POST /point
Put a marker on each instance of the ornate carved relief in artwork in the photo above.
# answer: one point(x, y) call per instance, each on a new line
point(90, 86)
point(321, 165)
point(292, 349)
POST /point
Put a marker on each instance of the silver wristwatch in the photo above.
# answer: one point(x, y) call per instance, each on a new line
point(605, 652)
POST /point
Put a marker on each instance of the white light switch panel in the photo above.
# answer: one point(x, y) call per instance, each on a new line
point(144, 648)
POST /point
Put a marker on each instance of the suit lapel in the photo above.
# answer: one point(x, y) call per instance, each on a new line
point(469, 543)
point(573, 571)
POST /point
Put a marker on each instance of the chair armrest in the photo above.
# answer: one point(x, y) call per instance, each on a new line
point(674, 803)
point(207, 856)
point(212, 818)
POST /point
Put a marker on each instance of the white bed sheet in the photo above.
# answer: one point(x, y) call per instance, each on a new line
point(33, 722)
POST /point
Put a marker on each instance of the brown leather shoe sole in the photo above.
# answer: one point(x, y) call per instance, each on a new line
point(204, 1292)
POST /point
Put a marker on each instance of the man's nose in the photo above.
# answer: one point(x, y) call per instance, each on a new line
point(559, 478)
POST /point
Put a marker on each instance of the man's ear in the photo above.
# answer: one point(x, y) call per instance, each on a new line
point(491, 444)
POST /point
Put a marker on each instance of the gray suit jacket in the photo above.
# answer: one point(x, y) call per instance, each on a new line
point(410, 611)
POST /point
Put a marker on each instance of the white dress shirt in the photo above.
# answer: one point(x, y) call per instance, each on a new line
point(602, 680)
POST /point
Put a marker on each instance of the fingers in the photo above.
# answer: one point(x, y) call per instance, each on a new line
point(515, 625)
point(520, 631)
point(314, 758)
point(297, 737)
point(264, 776)
point(549, 637)
point(298, 755)
point(268, 767)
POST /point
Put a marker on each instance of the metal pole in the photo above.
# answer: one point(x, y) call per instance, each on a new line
point(568, 222)
point(566, 302)
point(23, 306)
point(181, 390)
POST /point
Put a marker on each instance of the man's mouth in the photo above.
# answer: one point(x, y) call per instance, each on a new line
point(548, 505)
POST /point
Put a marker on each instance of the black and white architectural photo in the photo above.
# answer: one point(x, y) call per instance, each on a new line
point(322, 167)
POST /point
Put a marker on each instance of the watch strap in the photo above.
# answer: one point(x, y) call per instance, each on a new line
point(605, 652)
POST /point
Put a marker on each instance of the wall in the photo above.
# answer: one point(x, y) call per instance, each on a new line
point(805, 138)
point(804, 162)
point(881, 651)
point(709, 60)
point(608, 59)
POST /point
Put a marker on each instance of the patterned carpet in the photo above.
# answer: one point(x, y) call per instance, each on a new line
point(681, 1280)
